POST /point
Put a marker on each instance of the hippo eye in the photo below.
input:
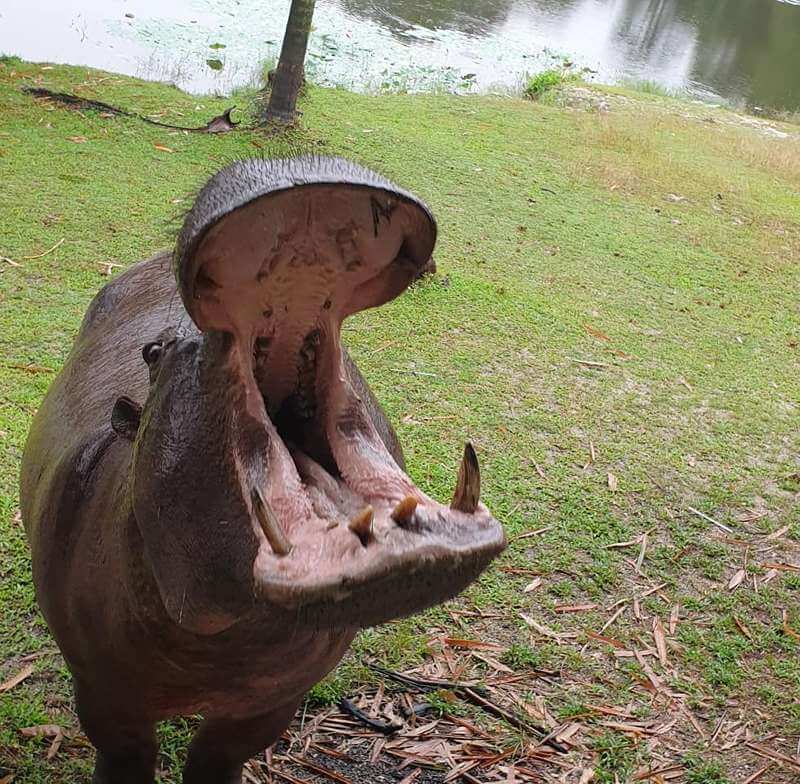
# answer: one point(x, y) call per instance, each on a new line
point(152, 352)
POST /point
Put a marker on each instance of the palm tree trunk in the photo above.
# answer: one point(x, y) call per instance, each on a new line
point(289, 74)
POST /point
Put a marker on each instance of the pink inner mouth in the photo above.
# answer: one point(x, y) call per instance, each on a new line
point(281, 274)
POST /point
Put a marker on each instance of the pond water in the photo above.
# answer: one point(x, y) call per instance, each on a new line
point(738, 51)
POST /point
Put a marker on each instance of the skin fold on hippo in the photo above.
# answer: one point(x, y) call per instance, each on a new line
point(214, 500)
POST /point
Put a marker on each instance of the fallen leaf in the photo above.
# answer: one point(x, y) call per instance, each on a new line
point(640, 560)
point(769, 576)
point(788, 630)
point(608, 640)
point(673, 618)
point(532, 585)
point(737, 579)
point(651, 676)
point(694, 722)
point(586, 776)
point(617, 545)
point(742, 628)
point(493, 663)
point(411, 777)
point(613, 483)
point(474, 644)
point(628, 728)
point(15, 680)
point(55, 745)
point(595, 333)
point(163, 148)
point(661, 641)
point(77, 139)
point(781, 567)
point(572, 608)
point(779, 533)
point(569, 731)
point(536, 626)
point(42, 731)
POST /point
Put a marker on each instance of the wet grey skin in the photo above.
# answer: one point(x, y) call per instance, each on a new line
point(214, 499)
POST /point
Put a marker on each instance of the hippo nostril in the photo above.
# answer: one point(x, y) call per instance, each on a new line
point(361, 525)
point(468, 488)
point(270, 525)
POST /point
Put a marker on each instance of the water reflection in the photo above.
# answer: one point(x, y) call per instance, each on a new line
point(744, 51)
point(473, 17)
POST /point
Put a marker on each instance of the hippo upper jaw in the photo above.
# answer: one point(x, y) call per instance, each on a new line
point(300, 505)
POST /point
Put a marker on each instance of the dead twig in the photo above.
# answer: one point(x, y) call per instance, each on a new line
point(470, 693)
point(514, 721)
point(530, 534)
point(219, 124)
point(15, 680)
point(49, 250)
point(320, 770)
point(758, 774)
point(709, 519)
point(773, 754)
point(384, 727)
point(423, 684)
point(588, 362)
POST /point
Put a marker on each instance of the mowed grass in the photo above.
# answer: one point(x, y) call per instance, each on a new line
point(614, 324)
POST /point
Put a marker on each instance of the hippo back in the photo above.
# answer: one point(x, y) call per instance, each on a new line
point(105, 363)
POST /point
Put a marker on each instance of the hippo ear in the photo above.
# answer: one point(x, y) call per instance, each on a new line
point(125, 417)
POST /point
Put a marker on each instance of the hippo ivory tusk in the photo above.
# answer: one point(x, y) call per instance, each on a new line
point(468, 488)
point(270, 525)
point(361, 524)
point(404, 511)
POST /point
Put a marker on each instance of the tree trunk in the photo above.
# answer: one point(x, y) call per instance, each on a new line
point(289, 74)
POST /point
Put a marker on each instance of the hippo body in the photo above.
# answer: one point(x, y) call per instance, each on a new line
point(188, 479)
point(74, 487)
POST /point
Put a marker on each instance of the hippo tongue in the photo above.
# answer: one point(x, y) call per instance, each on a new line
point(279, 254)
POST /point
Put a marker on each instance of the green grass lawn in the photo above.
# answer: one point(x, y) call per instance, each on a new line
point(614, 324)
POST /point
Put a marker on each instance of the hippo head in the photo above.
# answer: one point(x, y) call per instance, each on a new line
point(263, 480)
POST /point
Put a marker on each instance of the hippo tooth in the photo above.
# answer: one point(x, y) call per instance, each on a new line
point(404, 511)
point(361, 524)
point(468, 487)
point(269, 525)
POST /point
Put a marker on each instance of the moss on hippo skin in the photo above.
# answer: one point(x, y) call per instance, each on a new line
point(613, 324)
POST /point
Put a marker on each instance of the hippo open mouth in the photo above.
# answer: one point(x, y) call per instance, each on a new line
point(277, 254)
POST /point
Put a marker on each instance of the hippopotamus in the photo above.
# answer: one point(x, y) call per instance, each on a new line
point(214, 499)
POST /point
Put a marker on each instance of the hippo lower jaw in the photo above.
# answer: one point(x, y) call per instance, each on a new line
point(336, 517)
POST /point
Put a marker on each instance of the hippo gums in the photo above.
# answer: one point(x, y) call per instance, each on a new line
point(214, 500)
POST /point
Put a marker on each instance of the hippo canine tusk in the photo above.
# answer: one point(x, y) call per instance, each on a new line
point(270, 525)
point(404, 511)
point(361, 524)
point(468, 487)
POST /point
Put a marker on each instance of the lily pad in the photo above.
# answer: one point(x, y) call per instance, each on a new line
point(214, 64)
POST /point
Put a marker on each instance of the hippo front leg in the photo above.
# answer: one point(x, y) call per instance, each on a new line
point(126, 745)
point(221, 746)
